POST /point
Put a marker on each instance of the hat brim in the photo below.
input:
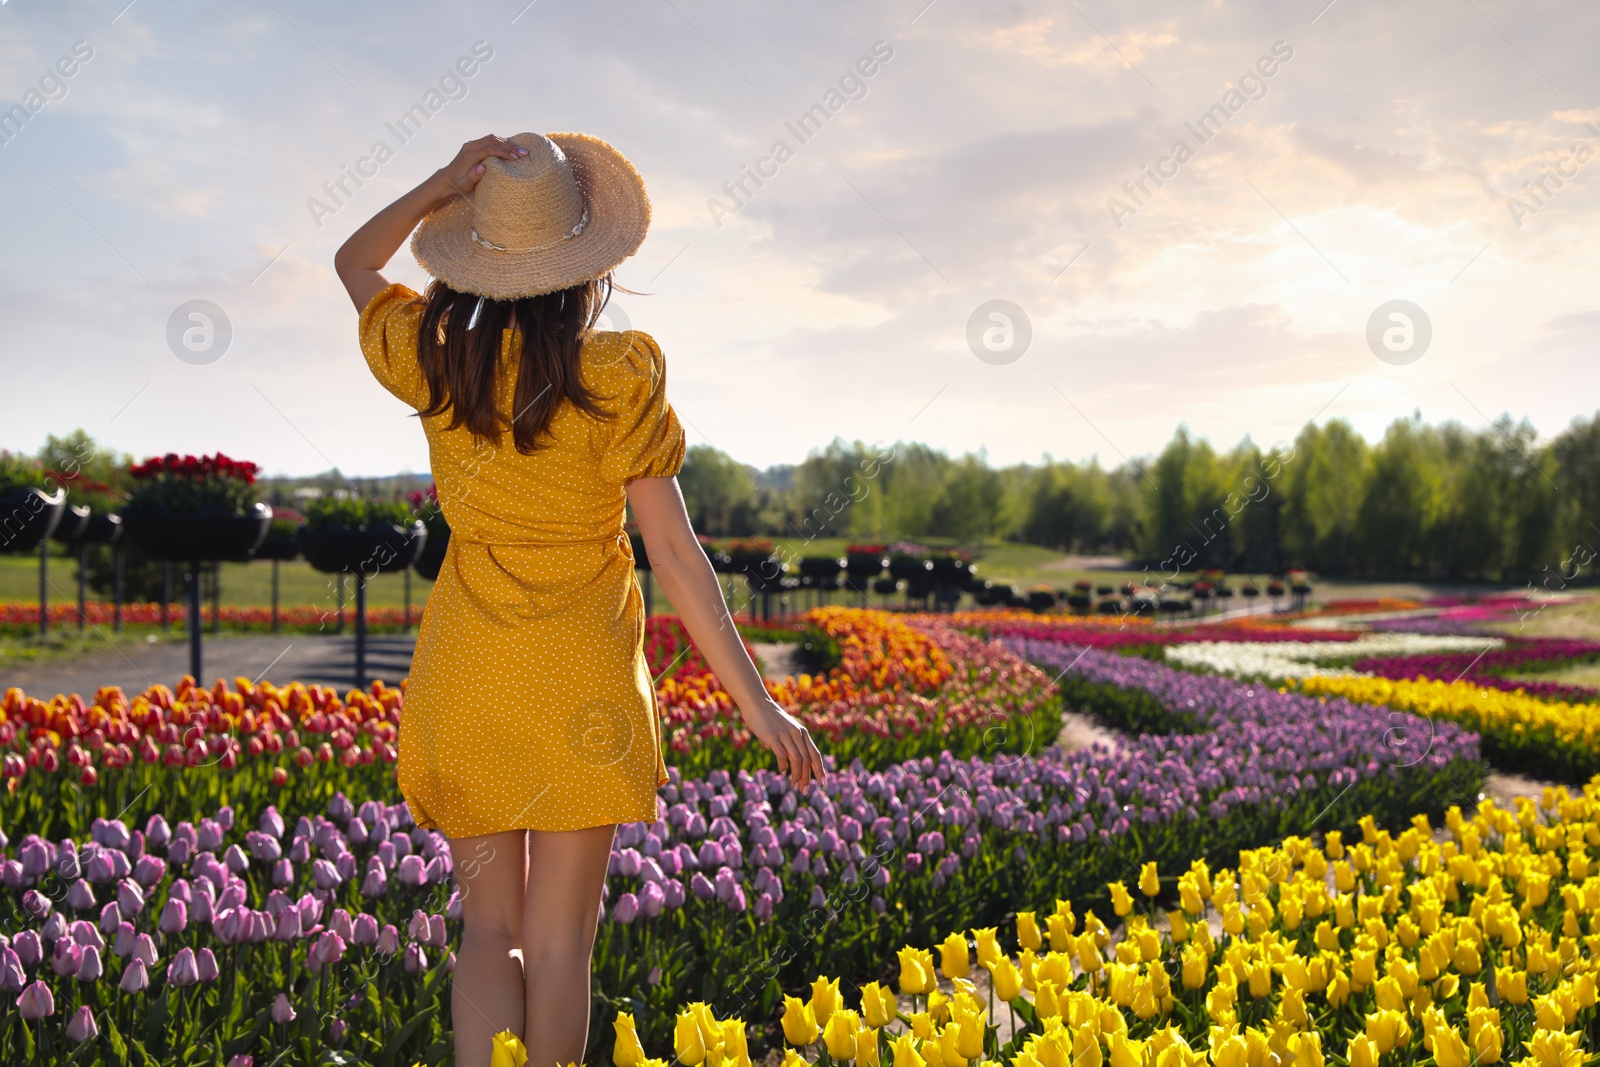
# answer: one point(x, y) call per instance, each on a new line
point(619, 216)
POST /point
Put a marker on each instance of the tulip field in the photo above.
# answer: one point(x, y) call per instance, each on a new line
point(227, 874)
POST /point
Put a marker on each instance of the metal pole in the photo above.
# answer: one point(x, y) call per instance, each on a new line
point(275, 596)
point(216, 596)
point(361, 631)
point(166, 595)
point(649, 595)
point(341, 603)
point(408, 598)
point(194, 621)
point(116, 588)
point(83, 567)
point(44, 587)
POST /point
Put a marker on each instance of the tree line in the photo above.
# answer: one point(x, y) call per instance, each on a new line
point(1424, 502)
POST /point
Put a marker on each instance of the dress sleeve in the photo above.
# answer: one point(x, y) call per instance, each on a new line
point(389, 343)
point(646, 437)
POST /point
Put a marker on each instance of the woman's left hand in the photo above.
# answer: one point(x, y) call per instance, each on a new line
point(461, 174)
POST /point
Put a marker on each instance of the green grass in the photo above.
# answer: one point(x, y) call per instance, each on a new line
point(243, 584)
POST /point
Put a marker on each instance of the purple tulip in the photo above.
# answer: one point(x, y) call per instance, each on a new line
point(375, 883)
point(36, 1002)
point(135, 977)
point(29, 948)
point(702, 887)
point(145, 949)
point(271, 823)
point(206, 965)
point(416, 960)
point(125, 938)
point(263, 846)
point(282, 1010)
point(283, 874)
point(80, 897)
point(36, 904)
point(627, 909)
point(652, 899)
point(130, 898)
point(364, 930)
point(674, 892)
point(89, 966)
point(324, 875)
point(174, 918)
point(81, 1027)
point(763, 908)
point(12, 976)
point(389, 940)
point(242, 1060)
point(819, 899)
point(413, 871)
point(336, 1031)
point(183, 970)
point(438, 935)
point(54, 928)
point(156, 832)
point(288, 926)
point(66, 957)
point(236, 860)
point(34, 856)
point(628, 863)
point(149, 871)
point(327, 949)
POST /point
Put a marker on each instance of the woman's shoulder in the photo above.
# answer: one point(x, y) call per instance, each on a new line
point(620, 356)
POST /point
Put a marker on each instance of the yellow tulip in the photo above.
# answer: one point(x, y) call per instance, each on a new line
point(735, 1045)
point(930, 1052)
point(1189, 896)
point(1124, 1051)
point(1007, 980)
point(1363, 1051)
point(1028, 931)
point(1060, 935)
point(1085, 1048)
point(799, 1022)
point(914, 978)
point(627, 1052)
point(824, 999)
point(950, 1046)
point(988, 945)
point(878, 1004)
point(1484, 1034)
point(507, 1051)
point(687, 1042)
point(1306, 1048)
point(954, 959)
point(1194, 967)
point(1089, 955)
point(1550, 1049)
point(839, 1035)
point(973, 1030)
point(866, 1047)
point(1121, 902)
point(1232, 1052)
point(1149, 881)
point(1045, 1004)
point(791, 1058)
point(921, 1024)
point(938, 1004)
point(1511, 985)
point(1180, 927)
point(1055, 968)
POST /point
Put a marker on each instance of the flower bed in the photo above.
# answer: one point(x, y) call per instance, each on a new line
point(1547, 739)
point(1301, 659)
point(1486, 669)
point(905, 688)
point(1456, 954)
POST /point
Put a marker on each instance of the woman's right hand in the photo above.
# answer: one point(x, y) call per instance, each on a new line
point(789, 741)
point(461, 174)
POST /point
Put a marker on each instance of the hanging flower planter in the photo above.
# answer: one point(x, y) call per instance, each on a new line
point(74, 521)
point(28, 516)
point(374, 548)
point(201, 537)
point(430, 559)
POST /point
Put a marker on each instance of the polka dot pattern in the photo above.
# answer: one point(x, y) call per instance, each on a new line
point(530, 704)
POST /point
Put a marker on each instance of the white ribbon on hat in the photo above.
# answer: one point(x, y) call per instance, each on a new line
point(491, 246)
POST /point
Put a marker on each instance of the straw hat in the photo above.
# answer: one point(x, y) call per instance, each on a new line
point(566, 213)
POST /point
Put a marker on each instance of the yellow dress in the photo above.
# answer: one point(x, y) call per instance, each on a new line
point(530, 704)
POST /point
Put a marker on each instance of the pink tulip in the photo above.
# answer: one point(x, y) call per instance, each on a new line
point(36, 1002)
point(130, 898)
point(183, 970)
point(66, 957)
point(12, 977)
point(29, 950)
point(82, 1028)
point(81, 896)
point(388, 940)
point(206, 963)
point(174, 918)
point(416, 960)
point(90, 968)
point(282, 1010)
point(135, 977)
point(125, 940)
point(144, 948)
point(288, 927)
point(110, 918)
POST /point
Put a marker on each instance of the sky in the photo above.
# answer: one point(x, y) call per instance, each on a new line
point(1034, 229)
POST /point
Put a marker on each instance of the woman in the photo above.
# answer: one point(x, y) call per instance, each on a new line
point(530, 722)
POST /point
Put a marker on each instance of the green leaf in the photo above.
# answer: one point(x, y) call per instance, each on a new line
point(119, 1047)
point(398, 1039)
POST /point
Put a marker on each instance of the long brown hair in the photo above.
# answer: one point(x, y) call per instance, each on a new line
point(461, 365)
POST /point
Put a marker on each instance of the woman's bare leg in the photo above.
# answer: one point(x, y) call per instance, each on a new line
point(487, 994)
point(566, 872)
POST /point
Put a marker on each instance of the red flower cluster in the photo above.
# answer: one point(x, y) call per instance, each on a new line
point(197, 467)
